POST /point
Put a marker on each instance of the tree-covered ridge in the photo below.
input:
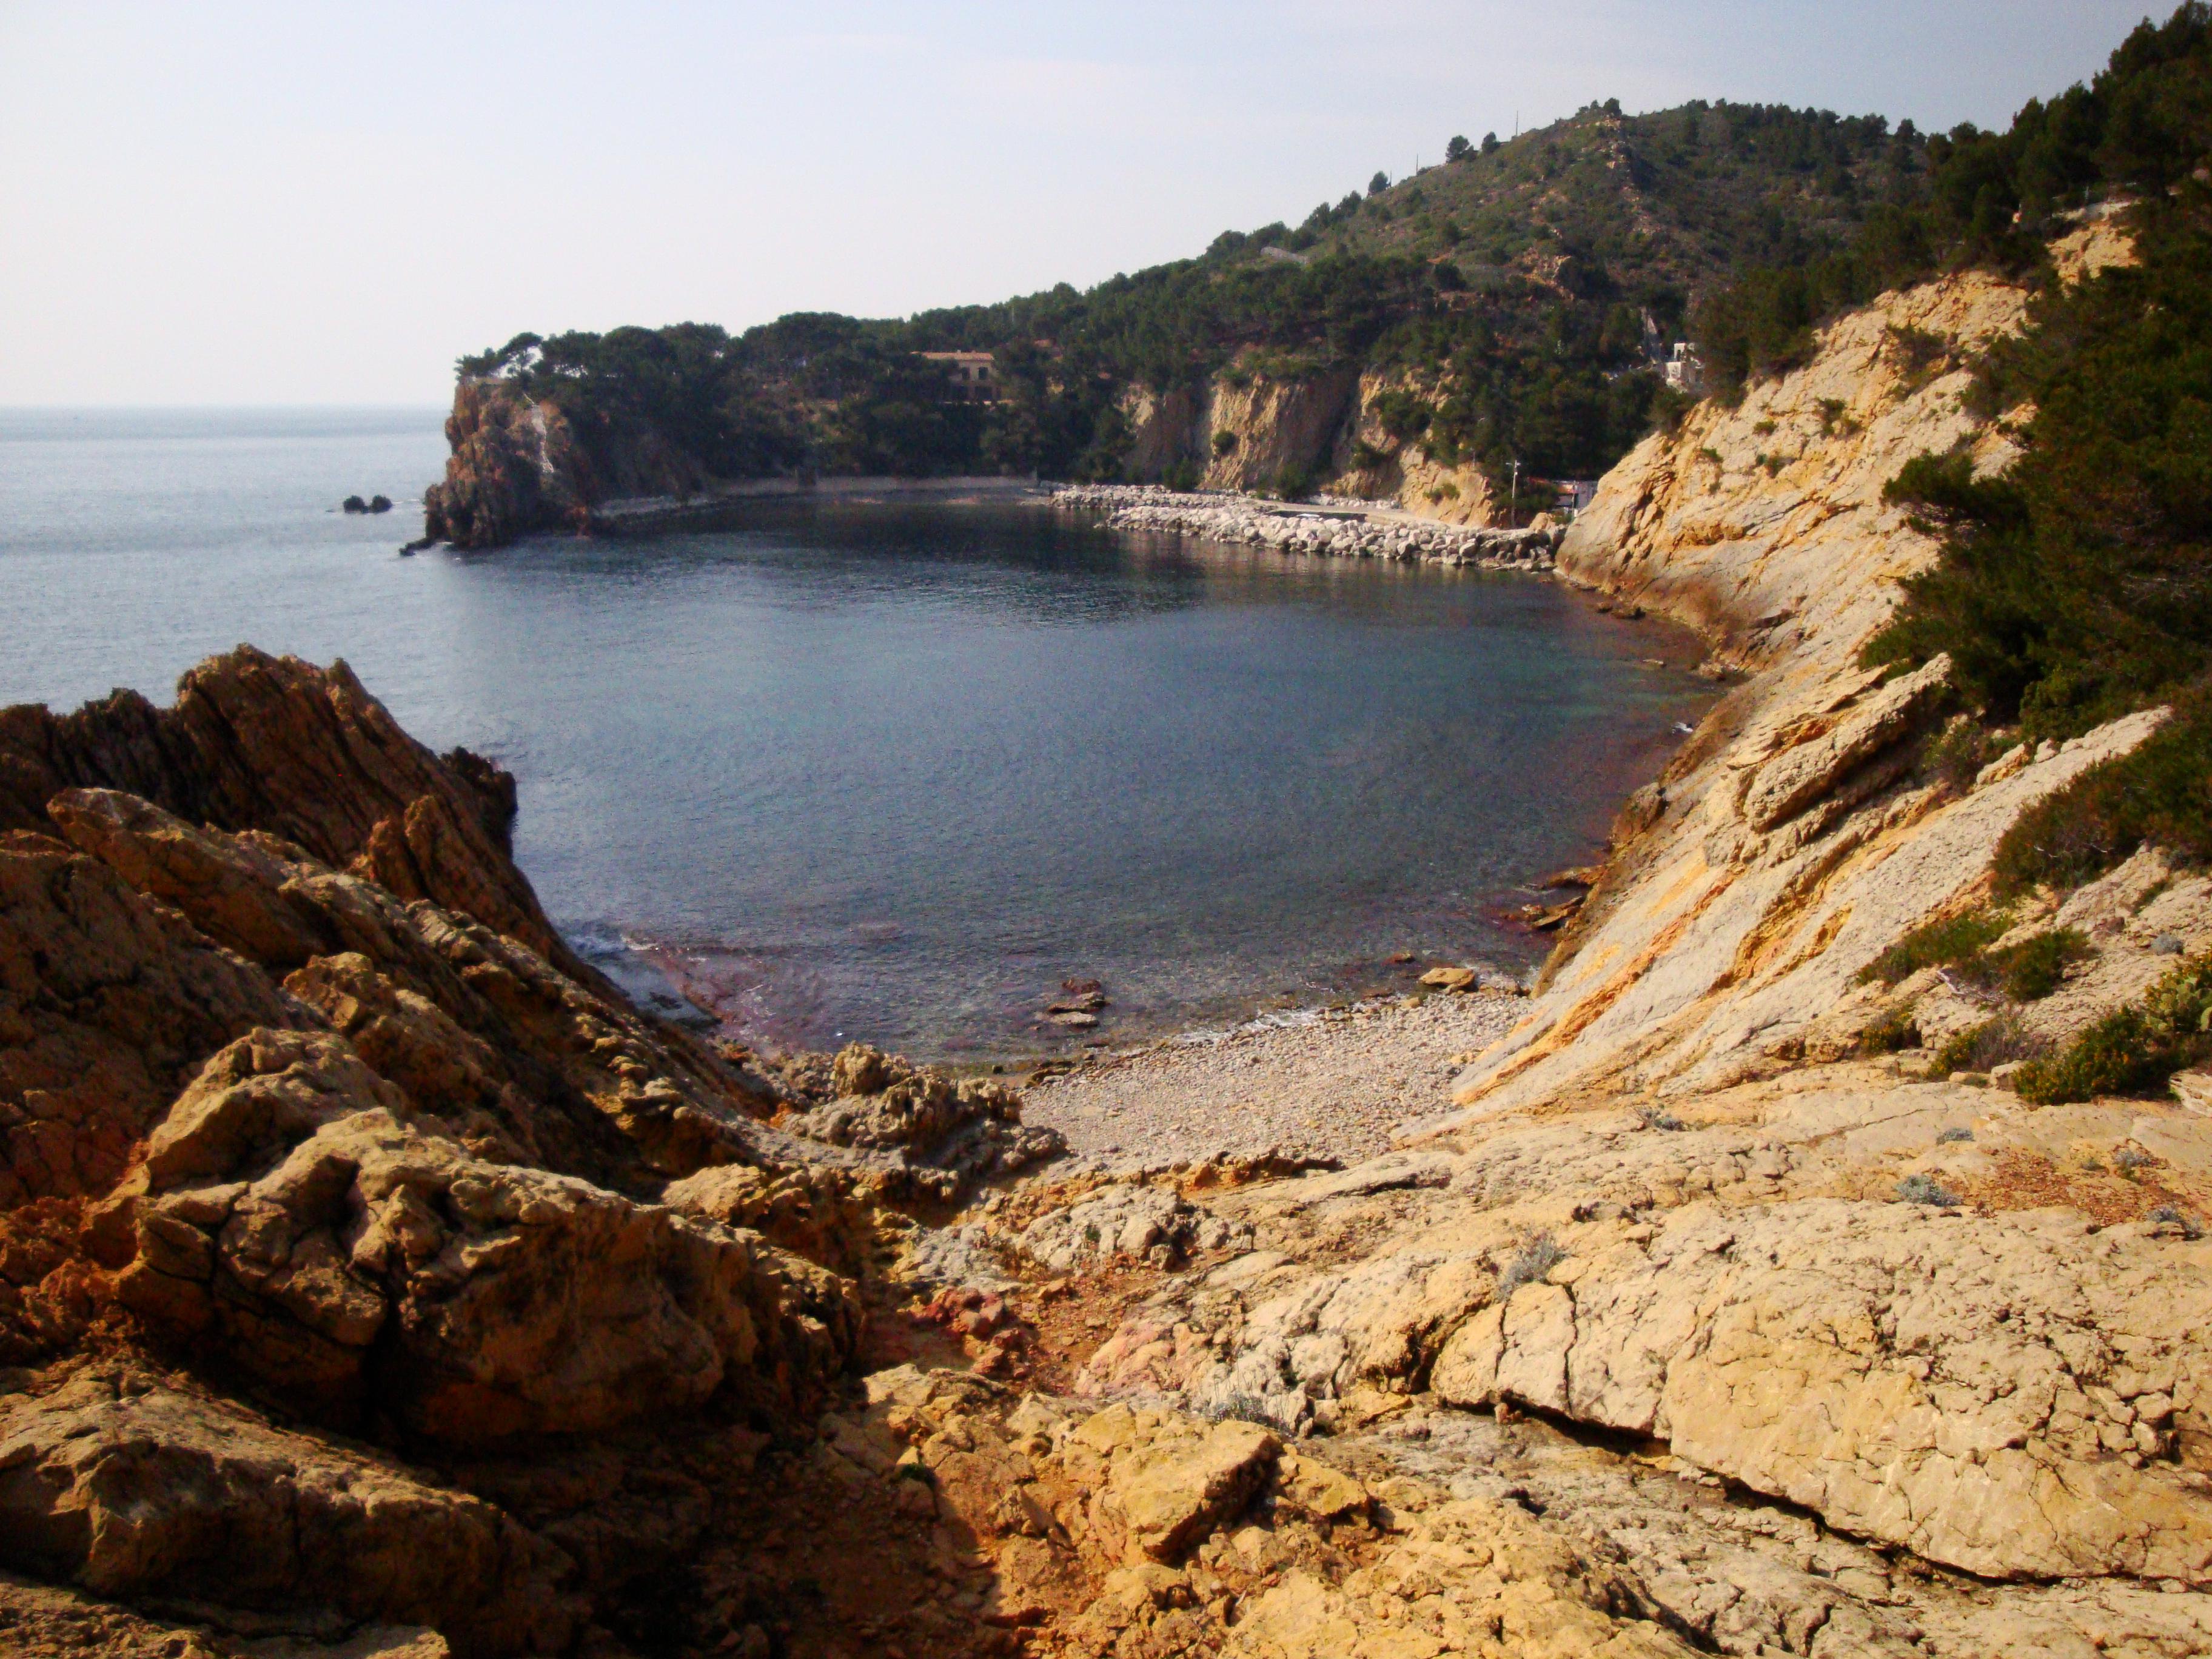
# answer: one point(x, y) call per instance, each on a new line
point(1987, 198)
point(1511, 284)
point(2078, 585)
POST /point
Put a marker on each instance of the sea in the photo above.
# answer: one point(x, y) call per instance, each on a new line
point(893, 774)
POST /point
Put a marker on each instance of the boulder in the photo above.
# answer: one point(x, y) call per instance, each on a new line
point(278, 745)
point(1123, 1219)
point(139, 1492)
point(941, 1134)
point(1170, 1481)
point(108, 1004)
point(286, 1213)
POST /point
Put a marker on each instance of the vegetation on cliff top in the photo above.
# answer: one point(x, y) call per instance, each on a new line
point(1511, 284)
point(2077, 585)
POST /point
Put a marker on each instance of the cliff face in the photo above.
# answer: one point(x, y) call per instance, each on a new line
point(1248, 431)
point(1691, 1200)
point(1784, 849)
point(1409, 475)
point(1243, 430)
point(515, 466)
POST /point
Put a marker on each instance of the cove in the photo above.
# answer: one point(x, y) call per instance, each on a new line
point(895, 773)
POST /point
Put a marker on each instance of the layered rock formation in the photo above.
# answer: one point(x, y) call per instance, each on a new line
point(340, 1205)
point(375, 1281)
point(1248, 428)
point(1696, 1220)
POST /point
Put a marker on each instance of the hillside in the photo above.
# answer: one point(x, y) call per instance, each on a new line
point(1508, 305)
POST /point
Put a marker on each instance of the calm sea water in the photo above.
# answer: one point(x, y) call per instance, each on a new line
point(887, 773)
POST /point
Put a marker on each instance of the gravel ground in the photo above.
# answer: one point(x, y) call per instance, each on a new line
point(1331, 1084)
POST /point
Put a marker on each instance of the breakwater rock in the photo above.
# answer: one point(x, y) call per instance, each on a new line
point(1328, 531)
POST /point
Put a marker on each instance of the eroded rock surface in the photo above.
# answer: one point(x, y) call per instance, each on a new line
point(374, 1280)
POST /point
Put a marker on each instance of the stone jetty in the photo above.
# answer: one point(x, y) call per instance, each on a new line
point(1331, 530)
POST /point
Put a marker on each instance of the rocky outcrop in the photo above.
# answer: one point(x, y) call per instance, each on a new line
point(515, 467)
point(1372, 464)
point(306, 755)
point(1246, 428)
point(1789, 842)
point(942, 1135)
point(310, 1133)
point(1145, 1531)
point(137, 1492)
point(336, 1253)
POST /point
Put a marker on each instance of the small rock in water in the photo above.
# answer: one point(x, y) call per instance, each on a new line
point(1449, 979)
point(1073, 1019)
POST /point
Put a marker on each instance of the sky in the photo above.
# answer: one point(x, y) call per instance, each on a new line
point(229, 203)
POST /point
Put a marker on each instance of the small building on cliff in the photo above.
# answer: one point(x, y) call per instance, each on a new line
point(975, 375)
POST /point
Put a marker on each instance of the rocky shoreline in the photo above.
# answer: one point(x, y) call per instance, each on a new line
point(376, 1283)
point(1331, 528)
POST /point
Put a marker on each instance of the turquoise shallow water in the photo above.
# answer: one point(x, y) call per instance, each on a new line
point(879, 772)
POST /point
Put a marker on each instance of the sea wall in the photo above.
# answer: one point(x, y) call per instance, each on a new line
point(1336, 529)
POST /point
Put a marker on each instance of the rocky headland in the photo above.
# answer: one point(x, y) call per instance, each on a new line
point(374, 1280)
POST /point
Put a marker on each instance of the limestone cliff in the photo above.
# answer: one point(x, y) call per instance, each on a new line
point(1694, 1204)
point(1246, 428)
point(1405, 474)
point(1788, 843)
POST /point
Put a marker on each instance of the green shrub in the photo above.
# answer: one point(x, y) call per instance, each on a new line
point(1985, 1046)
point(1925, 1189)
point(2033, 969)
point(2132, 1050)
point(1920, 356)
point(2162, 794)
point(1224, 442)
point(1402, 416)
point(1957, 754)
point(1891, 1031)
point(1668, 406)
point(1937, 945)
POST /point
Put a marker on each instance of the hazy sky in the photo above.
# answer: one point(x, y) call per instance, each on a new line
point(315, 203)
